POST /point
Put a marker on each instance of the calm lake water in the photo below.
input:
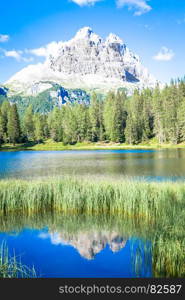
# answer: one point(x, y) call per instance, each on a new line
point(113, 164)
point(65, 247)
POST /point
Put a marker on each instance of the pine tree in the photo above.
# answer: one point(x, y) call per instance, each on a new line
point(13, 127)
point(130, 136)
point(96, 119)
point(1, 129)
point(158, 111)
point(134, 124)
point(44, 120)
point(147, 116)
point(69, 125)
point(81, 119)
point(38, 132)
point(169, 117)
point(181, 120)
point(5, 109)
point(108, 116)
point(55, 124)
point(28, 123)
point(119, 118)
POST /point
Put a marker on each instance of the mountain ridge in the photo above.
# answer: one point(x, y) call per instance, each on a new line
point(86, 62)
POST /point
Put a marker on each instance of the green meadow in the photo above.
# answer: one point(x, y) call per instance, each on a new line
point(51, 145)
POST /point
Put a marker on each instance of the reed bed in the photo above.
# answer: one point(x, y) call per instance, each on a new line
point(140, 199)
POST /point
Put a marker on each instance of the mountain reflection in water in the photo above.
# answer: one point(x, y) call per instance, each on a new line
point(88, 244)
point(79, 246)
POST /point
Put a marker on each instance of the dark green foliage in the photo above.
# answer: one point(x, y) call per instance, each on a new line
point(5, 108)
point(28, 123)
point(55, 124)
point(43, 103)
point(158, 113)
point(38, 128)
point(69, 125)
point(1, 129)
point(115, 116)
point(13, 126)
point(96, 126)
point(2, 99)
point(82, 122)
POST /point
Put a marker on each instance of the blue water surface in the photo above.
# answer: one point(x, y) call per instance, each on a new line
point(86, 254)
point(54, 259)
point(114, 164)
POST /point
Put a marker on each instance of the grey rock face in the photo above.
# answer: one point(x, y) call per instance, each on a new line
point(85, 62)
point(87, 53)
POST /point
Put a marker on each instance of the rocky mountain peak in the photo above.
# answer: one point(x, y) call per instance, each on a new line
point(83, 33)
point(86, 34)
point(113, 39)
point(88, 62)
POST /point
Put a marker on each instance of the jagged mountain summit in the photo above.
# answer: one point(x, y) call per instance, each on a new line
point(87, 62)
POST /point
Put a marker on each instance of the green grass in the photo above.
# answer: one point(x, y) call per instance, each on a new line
point(168, 250)
point(140, 199)
point(50, 145)
point(11, 267)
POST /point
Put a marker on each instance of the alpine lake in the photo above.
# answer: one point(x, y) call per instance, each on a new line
point(95, 242)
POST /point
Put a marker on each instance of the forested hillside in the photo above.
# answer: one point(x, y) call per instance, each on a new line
point(150, 114)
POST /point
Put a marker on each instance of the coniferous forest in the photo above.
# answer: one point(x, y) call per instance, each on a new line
point(148, 114)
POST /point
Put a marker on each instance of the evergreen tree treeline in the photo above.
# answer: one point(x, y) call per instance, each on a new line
point(148, 114)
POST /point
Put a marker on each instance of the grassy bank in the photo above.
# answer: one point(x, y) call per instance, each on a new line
point(50, 145)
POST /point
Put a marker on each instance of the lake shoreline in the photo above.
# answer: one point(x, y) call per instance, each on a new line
point(54, 146)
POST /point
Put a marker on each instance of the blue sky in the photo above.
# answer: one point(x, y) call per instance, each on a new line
point(154, 29)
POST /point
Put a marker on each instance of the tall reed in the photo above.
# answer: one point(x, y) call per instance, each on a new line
point(140, 199)
point(11, 267)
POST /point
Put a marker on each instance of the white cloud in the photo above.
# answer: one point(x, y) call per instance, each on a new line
point(85, 2)
point(51, 48)
point(164, 54)
point(18, 55)
point(140, 6)
point(27, 54)
point(4, 38)
point(42, 51)
point(13, 53)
